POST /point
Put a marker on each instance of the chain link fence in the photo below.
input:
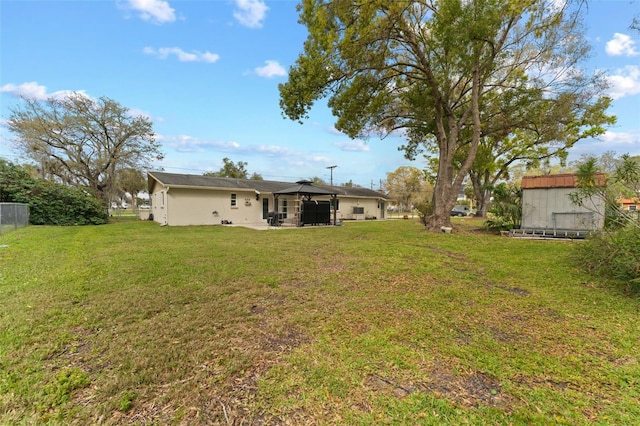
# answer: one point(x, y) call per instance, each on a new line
point(13, 216)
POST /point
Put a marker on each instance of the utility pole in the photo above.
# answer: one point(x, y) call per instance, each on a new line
point(335, 197)
point(331, 168)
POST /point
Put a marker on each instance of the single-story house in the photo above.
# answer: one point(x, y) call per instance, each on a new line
point(630, 204)
point(547, 207)
point(182, 200)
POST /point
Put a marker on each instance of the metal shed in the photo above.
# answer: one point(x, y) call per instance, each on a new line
point(547, 209)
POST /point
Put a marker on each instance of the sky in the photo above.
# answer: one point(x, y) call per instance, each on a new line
point(207, 72)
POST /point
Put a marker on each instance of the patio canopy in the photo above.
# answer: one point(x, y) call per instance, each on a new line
point(306, 188)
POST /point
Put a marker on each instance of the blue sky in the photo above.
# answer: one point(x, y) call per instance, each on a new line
point(207, 72)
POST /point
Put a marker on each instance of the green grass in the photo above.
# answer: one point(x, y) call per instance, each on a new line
point(370, 322)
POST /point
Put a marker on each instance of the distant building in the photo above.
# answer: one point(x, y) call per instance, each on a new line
point(630, 204)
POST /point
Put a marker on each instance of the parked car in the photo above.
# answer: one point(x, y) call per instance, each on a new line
point(461, 211)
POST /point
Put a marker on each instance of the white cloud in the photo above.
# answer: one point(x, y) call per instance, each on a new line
point(136, 112)
point(353, 146)
point(190, 144)
point(33, 90)
point(618, 142)
point(274, 150)
point(282, 155)
point(320, 159)
point(620, 139)
point(556, 6)
point(157, 11)
point(251, 13)
point(38, 92)
point(194, 56)
point(625, 82)
point(271, 69)
point(621, 45)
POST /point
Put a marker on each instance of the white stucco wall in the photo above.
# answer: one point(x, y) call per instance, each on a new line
point(372, 208)
point(184, 207)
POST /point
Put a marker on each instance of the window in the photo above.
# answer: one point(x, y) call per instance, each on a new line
point(284, 208)
point(633, 208)
point(265, 208)
point(234, 201)
point(358, 210)
point(337, 207)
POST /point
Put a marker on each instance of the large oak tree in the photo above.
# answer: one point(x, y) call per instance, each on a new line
point(535, 138)
point(83, 142)
point(407, 185)
point(442, 73)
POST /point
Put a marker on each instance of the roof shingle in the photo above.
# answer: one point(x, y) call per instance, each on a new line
point(266, 186)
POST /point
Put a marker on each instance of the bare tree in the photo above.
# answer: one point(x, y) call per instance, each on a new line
point(83, 142)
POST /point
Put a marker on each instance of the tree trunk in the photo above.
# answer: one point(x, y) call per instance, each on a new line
point(442, 205)
point(448, 181)
point(481, 193)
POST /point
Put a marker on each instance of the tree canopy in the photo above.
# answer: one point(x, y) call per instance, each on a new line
point(407, 185)
point(234, 170)
point(131, 181)
point(445, 74)
point(83, 142)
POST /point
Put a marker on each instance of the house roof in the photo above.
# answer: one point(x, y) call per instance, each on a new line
point(629, 201)
point(213, 182)
point(556, 181)
point(261, 186)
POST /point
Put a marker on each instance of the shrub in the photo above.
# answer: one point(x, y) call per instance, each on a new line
point(49, 203)
point(614, 254)
point(506, 209)
point(425, 209)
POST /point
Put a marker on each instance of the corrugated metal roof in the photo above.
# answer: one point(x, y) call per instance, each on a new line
point(557, 181)
point(266, 186)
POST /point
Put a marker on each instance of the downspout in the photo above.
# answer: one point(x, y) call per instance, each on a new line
point(166, 206)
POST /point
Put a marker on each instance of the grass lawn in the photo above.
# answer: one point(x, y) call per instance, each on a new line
point(373, 322)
